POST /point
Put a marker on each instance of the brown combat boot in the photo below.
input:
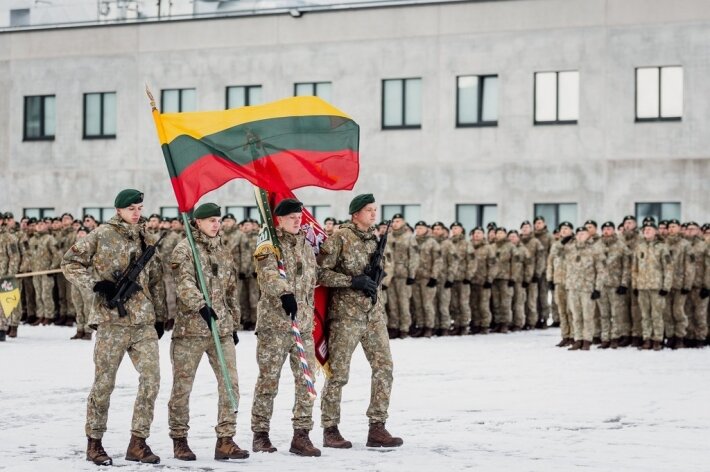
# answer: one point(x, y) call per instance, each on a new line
point(182, 451)
point(503, 329)
point(427, 333)
point(403, 334)
point(13, 332)
point(657, 345)
point(636, 341)
point(378, 436)
point(586, 345)
point(261, 442)
point(95, 453)
point(604, 345)
point(78, 335)
point(670, 343)
point(484, 330)
point(646, 345)
point(301, 444)
point(614, 344)
point(333, 438)
point(624, 341)
point(226, 448)
point(596, 340)
point(417, 332)
point(87, 336)
point(37, 322)
point(563, 343)
point(139, 451)
point(679, 344)
point(576, 346)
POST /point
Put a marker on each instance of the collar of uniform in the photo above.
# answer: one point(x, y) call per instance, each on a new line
point(210, 243)
point(400, 231)
point(364, 235)
point(286, 238)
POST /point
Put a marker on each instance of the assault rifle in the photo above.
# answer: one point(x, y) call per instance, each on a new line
point(127, 282)
point(374, 268)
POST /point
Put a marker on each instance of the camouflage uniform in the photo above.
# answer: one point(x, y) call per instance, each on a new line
point(632, 239)
point(249, 295)
point(538, 261)
point(191, 336)
point(449, 259)
point(82, 300)
point(617, 273)
point(167, 245)
point(429, 267)
point(683, 261)
point(9, 265)
point(232, 239)
point(543, 304)
point(44, 255)
point(522, 269)
point(486, 271)
point(28, 290)
point(584, 269)
point(273, 328)
point(502, 293)
point(557, 275)
point(461, 292)
point(353, 319)
point(698, 306)
point(108, 249)
point(405, 256)
point(652, 271)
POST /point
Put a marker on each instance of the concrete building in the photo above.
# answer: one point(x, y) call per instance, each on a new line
point(471, 110)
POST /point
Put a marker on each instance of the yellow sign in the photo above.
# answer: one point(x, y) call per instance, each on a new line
point(9, 295)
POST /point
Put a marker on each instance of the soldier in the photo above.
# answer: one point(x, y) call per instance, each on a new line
point(683, 262)
point(91, 264)
point(9, 265)
point(522, 269)
point(698, 298)
point(427, 277)
point(165, 249)
point(538, 256)
point(354, 319)
point(405, 256)
point(44, 255)
point(461, 290)
point(652, 279)
point(90, 222)
point(191, 337)
point(249, 296)
point(82, 299)
point(503, 285)
point(615, 329)
point(328, 225)
point(543, 304)
point(557, 281)
point(29, 307)
point(232, 238)
point(283, 299)
point(482, 282)
point(662, 230)
point(631, 239)
point(449, 267)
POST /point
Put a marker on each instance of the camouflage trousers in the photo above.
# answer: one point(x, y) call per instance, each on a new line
point(423, 299)
point(461, 304)
point(82, 306)
point(443, 302)
point(170, 291)
point(185, 355)
point(652, 306)
point(481, 306)
point(502, 296)
point(565, 316)
point(675, 319)
point(636, 318)
point(697, 310)
point(248, 299)
point(555, 309)
point(29, 307)
point(398, 294)
point(532, 314)
point(272, 348)
point(344, 337)
point(582, 307)
point(518, 306)
point(66, 303)
point(112, 342)
point(612, 313)
point(44, 299)
point(543, 304)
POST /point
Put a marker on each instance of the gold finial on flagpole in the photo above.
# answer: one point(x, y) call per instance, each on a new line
point(150, 97)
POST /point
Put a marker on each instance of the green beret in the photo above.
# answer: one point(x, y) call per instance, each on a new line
point(128, 197)
point(288, 206)
point(206, 210)
point(359, 202)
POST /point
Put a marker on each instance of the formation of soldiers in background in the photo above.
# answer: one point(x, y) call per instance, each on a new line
point(614, 286)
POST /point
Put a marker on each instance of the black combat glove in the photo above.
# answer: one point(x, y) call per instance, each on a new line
point(363, 283)
point(448, 284)
point(636, 292)
point(596, 295)
point(431, 283)
point(466, 282)
point(511, 283)
point(410, 281)
point(242, 276)
point(235, 337)
point(288, 302)
point(535, 279)
point(106, 289)
point(684, 291)
point(526, 285)
point(206, 312)
point(160, 328)
point(551, 285)
point(621, 290)
point(704, 293)
point(663, 293)
point(170, 324)
point(487, 285)
point(253, 274)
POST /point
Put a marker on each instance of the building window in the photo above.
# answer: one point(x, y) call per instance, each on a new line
point(100, 115)
point(42, 212)
point(412, 213)
point(100, 214)
point(243, 96)
point(20, 17)
point(169, 212)
point(477, 100)
point(470, 215)
point(401, 103)
point(556, 97)
point(556, 213)
point(177, 100)
point(241, 213)
point(319, 212)
point(39, 118)
point(317, 89)
point(659, 93)
point(658, 210)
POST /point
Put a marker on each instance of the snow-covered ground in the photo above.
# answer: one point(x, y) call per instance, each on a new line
point(495, 403)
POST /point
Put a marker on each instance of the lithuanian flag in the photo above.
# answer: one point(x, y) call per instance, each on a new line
point(279, 146)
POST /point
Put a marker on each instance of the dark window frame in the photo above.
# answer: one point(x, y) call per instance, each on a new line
point(103, 212)
point(659, 118)
point(246, 209)
point(42, 211)
point(479, 112)
point(661, 216)
point(557, 210)
point(43, 136)
point(180, 91)
point(479, 211)
point(557, 120)
point(314, 86)
point(247, 89)
point(404, 105)
point(101, 118)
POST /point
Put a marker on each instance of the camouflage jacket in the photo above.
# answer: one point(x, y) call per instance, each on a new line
point(584, 267)
point(301, 277)
point(504, 255)
point(168, 244)
point(537, 253)
point(557, 262)
point(652, 267)
point(9, 254)
point(108, 249)
point(232, 240)
point(449, 259)
point(701, 254)
point(44, 252)
point(616, 262)
point(23, 240)
point(683, 262)
point(546, 240)
point(631, 239)
point(405, 254)
point(342, 256)
point(248, 246)
point(430, 262)
point(465, 258)
point(220, 280)
point(486, 263)
point(522, 266)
